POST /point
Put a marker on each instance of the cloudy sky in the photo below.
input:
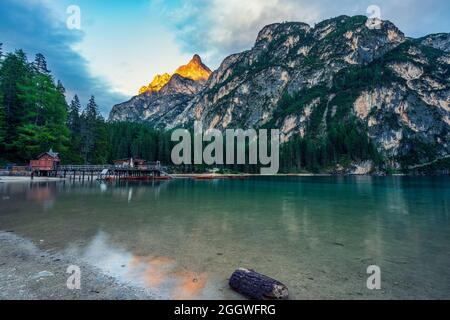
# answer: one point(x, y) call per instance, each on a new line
point(122, 44)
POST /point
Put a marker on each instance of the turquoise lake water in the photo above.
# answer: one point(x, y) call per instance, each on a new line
point(183, 238)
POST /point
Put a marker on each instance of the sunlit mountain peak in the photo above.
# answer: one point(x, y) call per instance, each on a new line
point(158, 82)
point(194, 70)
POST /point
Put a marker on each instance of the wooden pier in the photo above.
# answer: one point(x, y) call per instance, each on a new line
point(106, 172)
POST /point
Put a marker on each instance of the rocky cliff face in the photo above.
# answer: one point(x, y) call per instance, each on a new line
point(440, 41)
point(305, 79)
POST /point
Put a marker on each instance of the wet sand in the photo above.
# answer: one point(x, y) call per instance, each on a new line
point(28, 273)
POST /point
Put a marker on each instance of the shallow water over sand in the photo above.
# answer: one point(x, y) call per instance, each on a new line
point(184, 238)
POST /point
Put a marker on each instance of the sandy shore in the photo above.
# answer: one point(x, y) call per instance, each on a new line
point(28, 273)
point(8, 179)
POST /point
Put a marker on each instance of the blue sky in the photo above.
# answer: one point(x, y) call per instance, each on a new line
point(122, 44)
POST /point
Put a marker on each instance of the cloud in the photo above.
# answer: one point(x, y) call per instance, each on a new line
point(216, 28)
point(31, 25)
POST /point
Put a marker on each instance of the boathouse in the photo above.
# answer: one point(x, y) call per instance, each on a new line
point(45, 164)
point(47, 161)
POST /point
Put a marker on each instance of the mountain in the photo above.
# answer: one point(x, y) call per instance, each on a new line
point(166, 96)
point(158, 82)
point(311, 82)
point(194, 70)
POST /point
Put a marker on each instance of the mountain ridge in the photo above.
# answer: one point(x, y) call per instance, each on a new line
point(306, 80)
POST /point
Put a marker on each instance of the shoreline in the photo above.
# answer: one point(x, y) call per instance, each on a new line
point(29, 273)
point(27, 179)
point(240, 176)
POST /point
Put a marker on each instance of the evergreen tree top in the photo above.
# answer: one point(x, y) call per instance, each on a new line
point(75, 103)
point(61, 87)
point(40, 64)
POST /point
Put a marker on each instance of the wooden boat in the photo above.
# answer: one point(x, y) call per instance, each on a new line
point(161, 178)
point(205, 177)
point(144, 178)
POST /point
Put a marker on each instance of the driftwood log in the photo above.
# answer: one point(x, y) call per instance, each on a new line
point(257, 286)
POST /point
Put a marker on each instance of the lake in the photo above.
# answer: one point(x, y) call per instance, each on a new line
point(184, 238)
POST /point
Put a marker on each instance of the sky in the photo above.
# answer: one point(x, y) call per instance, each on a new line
point(122, 45)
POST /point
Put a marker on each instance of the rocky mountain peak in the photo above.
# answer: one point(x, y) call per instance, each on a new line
point(158, 82)
point(196, 59)
point(195, 70)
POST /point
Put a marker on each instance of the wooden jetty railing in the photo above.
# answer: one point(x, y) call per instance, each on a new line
point(84, 167)
point(103, 171)
point(149, 167)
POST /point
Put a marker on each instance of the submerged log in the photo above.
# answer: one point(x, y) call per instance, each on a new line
point(257, 286)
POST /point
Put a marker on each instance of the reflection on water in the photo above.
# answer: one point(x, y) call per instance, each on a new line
point(159, 273)
point(182, 239)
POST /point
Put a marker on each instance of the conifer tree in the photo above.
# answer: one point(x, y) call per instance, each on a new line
point(34, 109)
point(93, 134)
point(73, 119)
point(40, 64)
point(2, 125)
point(15, 70)
point(2, 112)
